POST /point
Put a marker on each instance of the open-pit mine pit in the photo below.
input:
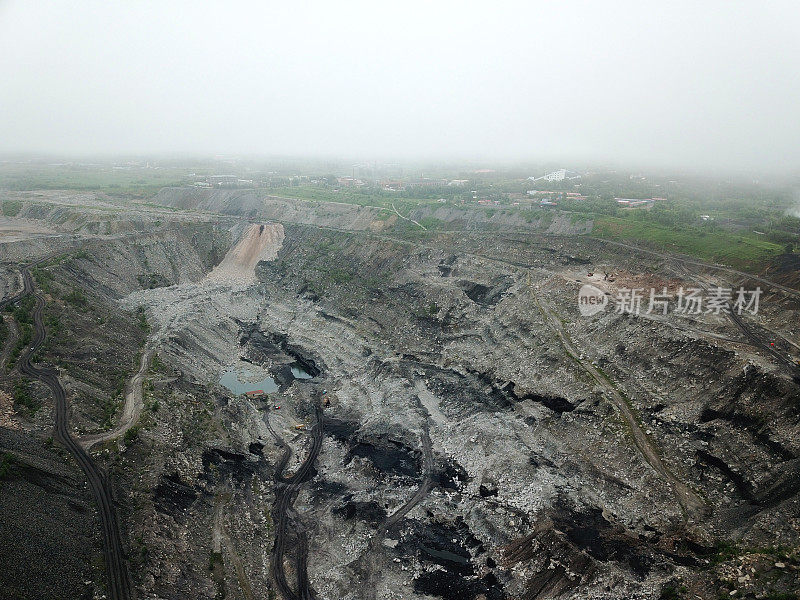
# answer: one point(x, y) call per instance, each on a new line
point(289, 401)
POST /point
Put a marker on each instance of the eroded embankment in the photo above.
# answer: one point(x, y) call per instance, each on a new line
point(259, 204)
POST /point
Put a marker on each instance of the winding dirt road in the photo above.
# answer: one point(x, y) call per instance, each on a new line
point(134, 403)
point(286, 490)
point(397, 212)
point(692, 504)
point(113, 553)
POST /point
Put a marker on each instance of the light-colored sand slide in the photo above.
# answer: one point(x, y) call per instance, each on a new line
point(259, 242)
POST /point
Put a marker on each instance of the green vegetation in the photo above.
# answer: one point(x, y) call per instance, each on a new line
point(431, 223)
point(52, 323)
point(7, 461)
point(725, 550)
point(22, 312)
point(425, 311)
point(151, 281)
point(132, 434)
point(367, 196)
point(156, 364)
point(142, 319)
point(11, 208)
point(77, 299)
point(672, 591)
point(737, 249)
point(546, 220)
point(781, 596)
point(130, 181)
point(338, 275)
point(216, 566)
point(198, 425)
point(139, 551)
point(23, 399)
point(108, 408)
point(43, 279)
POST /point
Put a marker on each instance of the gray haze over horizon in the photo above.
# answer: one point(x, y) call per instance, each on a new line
point(685, 84)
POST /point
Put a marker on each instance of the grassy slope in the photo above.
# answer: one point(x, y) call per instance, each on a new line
point(740, 250)
point(352, 196)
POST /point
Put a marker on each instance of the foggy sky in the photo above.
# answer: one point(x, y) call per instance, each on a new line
point(694, 84)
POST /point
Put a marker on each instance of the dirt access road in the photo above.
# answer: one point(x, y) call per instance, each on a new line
point(116, 568)
point(286, 490)
point(692, 504)
point(132, 409)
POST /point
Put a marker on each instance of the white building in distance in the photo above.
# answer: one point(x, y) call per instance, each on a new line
point(559, 175)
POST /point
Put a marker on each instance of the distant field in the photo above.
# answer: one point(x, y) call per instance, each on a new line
point(348, 196)
point(735, 245)
point(740, 250)
point(136, 181)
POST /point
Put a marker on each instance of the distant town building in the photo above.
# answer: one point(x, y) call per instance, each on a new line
point(393, 186)
point(458, 182)
point(633, 202)
point(349, 181)
point(559, 175)
point(223, 180)
point(426, 183)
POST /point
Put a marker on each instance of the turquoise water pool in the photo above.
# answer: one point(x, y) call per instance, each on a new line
point(241, 380)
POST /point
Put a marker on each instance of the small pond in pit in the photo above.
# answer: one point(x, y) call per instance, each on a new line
point(244, 377)
point(298, 372)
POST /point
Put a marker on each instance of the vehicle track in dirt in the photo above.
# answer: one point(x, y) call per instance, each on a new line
point(113, 552)
point(132, 409)
point(693, 506)
point(755, 338)
point(375, 544)
point(286, 490)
